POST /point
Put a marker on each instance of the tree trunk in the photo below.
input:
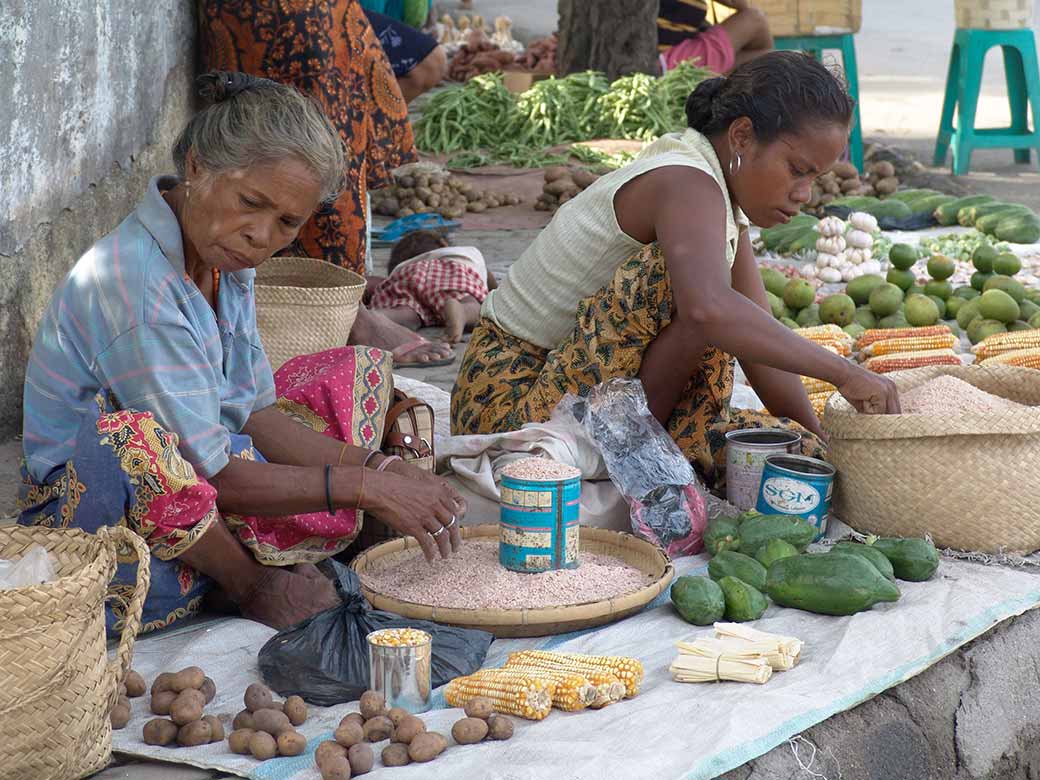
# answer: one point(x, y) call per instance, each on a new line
point(618, 37)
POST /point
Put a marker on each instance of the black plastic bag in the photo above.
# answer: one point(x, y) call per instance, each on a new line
point(324, 659)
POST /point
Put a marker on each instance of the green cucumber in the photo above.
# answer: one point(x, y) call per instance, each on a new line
point(913, 560)
point(1019, 229)
point(773, 551)
point(698, 600)
point(872, 554)
point(909, 197)
point(988, 223)
point(733, 564)
point(947, 213)
point(721, 535)
point(743, 603)
point(830, 584)
point(930, 204)
point(892, 209)
point(757, 531)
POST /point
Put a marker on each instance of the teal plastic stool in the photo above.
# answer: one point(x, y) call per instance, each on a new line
point(816, 45)
point(963, 82)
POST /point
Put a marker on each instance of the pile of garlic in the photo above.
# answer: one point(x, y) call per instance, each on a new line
point(844, 251)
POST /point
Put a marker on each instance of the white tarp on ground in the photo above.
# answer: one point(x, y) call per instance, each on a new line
point(671, 730)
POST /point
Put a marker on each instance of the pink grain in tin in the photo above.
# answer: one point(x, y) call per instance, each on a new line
point(947, 395)
point(474, 579)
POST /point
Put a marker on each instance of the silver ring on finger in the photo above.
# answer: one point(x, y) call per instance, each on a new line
point(438, 532)
point(452, 523)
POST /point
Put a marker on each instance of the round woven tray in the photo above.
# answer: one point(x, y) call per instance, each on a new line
point(536, 622)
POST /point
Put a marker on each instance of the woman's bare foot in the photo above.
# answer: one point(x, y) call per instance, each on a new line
point(372, 329)
point(454, 321)
point(283, 598)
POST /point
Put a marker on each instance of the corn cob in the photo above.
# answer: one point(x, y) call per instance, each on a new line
point(911, 344)
point(999, 343)
point(511, 693)
point(900, 361)
point(819, 402)
point(884, 334)
point(605, 687)
point(824, 331)
point(628, 670)
point(1030, 358)
point(572, 692)
point(813, 386)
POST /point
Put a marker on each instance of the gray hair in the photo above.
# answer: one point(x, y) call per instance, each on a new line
point(253, 120)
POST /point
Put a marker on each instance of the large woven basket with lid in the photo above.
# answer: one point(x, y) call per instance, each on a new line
point(57, 684)
point(970, 480)
point(994, 14)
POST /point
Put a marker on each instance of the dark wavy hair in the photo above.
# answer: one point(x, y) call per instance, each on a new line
point(779, 92)
point(413, 244)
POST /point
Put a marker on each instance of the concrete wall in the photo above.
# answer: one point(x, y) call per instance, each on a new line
point(93, 93)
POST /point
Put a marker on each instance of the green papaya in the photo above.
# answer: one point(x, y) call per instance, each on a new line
point(909, 197)
point(830, 584)
point(947, 213)
point(743, 603)
point(930, 204)
point(698, 600)
point(733, 564)
point(892, 209)
point(1019, 229)
point(771, 237)
point(875, 556)
point(988, 224)
point(806, 240)
point(774, 550)
point(757, 531)
point(913, 560)
point(721, 535)
point(969, 214)
point(855, 202)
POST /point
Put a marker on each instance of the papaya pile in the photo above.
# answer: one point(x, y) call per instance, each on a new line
point(755, 556)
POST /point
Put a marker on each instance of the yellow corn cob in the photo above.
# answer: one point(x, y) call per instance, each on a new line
point(813, 386)
point(912, 344)
point(999, 343)
point(884, 334)
point(1030, 358)
point(605, 687)
point(573, 691)
point(900, 361)
point(819, 402)
point(511, 693)
point(628, 670)
point(825, 331)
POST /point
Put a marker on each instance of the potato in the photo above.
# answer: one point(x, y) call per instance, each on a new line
point(499, 727)
point(477, 207)
point(186, 679)
point(886, 186)
point(423, 194)
point(831, 187)
point(159, 731)
point(396, 715)
point(208, 689)
point(422, 180)
point(372, 704)
point(883, 169)
point(554, 172)
point(378, 728)
point(291, 743)
point(584, 178)
point(469, 731)
point(326, 750)
point(134, 684)
point(436, 187)
point(405, 212)
point(559, 186)
point(194, 734)
point(258, 697)
point(426, 747)
point(354, 717)
point(274, 722)
point(851, 185)
point(238, 742)
point(244, 720)
point(120, 714)
point(263, 746)
point(336, 769)
point(296, 710)
point(216, 728)
point(406, 181)
point(162, 683)
point(844, 169)
point(361, 759)
point(407, 729)
point(396, 754)
point(349, 734)
point(434, 201)
point(187, 707)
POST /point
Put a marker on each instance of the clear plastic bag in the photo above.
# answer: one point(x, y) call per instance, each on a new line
point(34, 568)
point(668, 505)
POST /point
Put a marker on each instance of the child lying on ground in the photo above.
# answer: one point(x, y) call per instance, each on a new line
point(433, 284)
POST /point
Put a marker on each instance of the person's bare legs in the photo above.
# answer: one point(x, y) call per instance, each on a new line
point(748, 31)
point(459, 316)
point(374, 329)
point(402, 315)
point(430, 72)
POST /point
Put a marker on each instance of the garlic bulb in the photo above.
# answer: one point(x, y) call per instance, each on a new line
point(858, 256)
point(826, 260)
point(857, 239)
point(830, 275)
point(809, 272)
point(870, 267)
point(862, 221)
point(832, 245)
point(831, 226)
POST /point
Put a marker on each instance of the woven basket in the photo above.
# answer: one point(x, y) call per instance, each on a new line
point(971, 482)
point(57, 686)
point(304, 306)
point(994, 14)
point(812, 17)
point(536, 622)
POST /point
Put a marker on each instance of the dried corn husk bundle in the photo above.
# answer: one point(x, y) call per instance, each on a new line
point(696, 665)
point(782, 652)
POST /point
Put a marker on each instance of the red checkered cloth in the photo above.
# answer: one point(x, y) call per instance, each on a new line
point(424, 285)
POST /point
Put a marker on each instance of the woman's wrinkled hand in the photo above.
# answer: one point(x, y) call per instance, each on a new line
point(870, 393)
point(418, 504)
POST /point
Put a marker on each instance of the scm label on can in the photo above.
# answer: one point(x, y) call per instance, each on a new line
point(799, 486)
point(790, 496)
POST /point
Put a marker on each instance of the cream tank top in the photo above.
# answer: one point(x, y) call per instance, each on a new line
point(579, 251)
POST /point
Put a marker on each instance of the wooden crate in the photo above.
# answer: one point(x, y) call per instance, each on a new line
point(812, 17)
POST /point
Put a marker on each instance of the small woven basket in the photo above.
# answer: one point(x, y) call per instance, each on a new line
point(971, 482)
point(57, 686)
point(994, 14)
point(812, 17)
point(304, 306)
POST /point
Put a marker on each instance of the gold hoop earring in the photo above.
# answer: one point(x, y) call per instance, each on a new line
point(733, 171)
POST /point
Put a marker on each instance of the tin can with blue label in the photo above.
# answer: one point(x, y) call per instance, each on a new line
point(538, 523)
point(746, 453)
point(799, 486)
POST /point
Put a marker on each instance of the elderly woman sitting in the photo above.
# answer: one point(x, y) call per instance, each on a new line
point(149, 401)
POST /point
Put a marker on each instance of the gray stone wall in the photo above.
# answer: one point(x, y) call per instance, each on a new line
point(93, 93)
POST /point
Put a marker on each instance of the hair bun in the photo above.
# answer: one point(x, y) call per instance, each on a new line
point(699, 104)
point(220, 85)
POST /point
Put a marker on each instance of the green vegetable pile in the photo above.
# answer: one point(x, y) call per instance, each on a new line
point(483, 123)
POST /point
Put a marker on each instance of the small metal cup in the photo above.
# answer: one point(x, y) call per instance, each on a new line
point(401, 674)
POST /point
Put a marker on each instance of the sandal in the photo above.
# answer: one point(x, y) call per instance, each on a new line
point(407, 348)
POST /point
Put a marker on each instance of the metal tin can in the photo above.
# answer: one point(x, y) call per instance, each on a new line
point(538, 524)
point(746, 453)
point(797, 485)
point(401, 672)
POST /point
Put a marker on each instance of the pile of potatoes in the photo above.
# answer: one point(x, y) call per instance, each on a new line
point(436, 193)
point(132, 687)
point(266, 728)
point(481, 722)
point(182, 697)
point(563, 182)
point(843, 179)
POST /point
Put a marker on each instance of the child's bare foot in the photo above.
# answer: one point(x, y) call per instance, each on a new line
point(283, 598)
point(454, 321)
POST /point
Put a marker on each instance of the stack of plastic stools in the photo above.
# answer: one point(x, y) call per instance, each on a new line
point(963, 82)
point(844, 43)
